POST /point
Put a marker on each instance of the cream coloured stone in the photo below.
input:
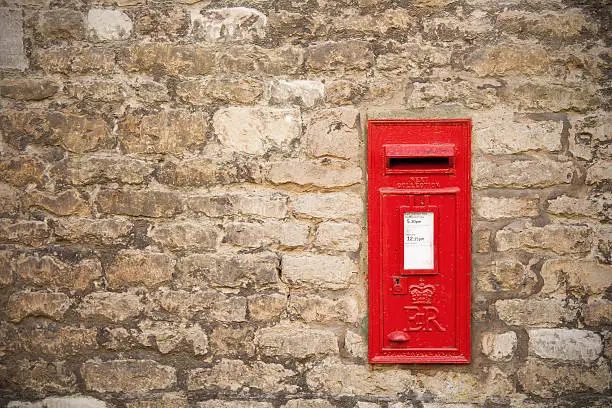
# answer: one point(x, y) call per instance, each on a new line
point(262, 204)
point(549, 312)
point(521, 173)
point(333, 132)
point(23, 304)
point(234, 24)
point(75, 401)
point(296, 92)
point(167, 336)
point(325, 173)
point(313, 308)
point(559, 238)
point(565, 344)
point(295, 341)
point(108, 25)
point(233, 404)
point(12, 54)
point(580, 276)
point(340, 236)
point(565, 205)
point(127, 375)
point(319, 271)
point(600, 172)
point(257, 130)
point(336, 206)
point(355, 345)
point(491, 207)
point(499, 346)
point(116, 307)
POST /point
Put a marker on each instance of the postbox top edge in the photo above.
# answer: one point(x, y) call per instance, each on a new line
point(421, 121)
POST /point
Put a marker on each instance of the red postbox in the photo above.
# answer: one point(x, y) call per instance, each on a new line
point(419, 241)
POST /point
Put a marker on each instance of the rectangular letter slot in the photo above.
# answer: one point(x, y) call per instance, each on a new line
point(419, 241)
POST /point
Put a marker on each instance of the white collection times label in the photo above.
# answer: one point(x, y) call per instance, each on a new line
point(418, 240)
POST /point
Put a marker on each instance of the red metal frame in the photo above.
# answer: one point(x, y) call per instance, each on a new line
point(419, 316)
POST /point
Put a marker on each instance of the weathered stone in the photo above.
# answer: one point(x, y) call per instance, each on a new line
point(325, 173)
point(76, 59)
point(97, 90)
point(471, 93)
point(57, 340)
point(47, 271)
point(565, 344)
point(492, 207)
point(207, 305)
point(166, 400)
point(334, 377)
point(288, 340)
point(552, 25)
point(308, 403)
point(170, 59)
point(80, 133)
point(63, 402)
point(502, 132)
point(143, 203)
point(565, 205)
point(504, 59)
point(257, 130)
point(559, 238)
point(167, 336)
point(68, 202)
point(22, 170)
point(296, 92)
point(32, 233)
point(127, 376)
point(339, 236)
point(234, 24)
point(551, 98)
point(549, 381)
point(132, 267)
point(106, 24)
point(256, 203)
point(521, 173)
point(319, 271)
point(313, 308)
point(258, 270)
point(578, 277)
point(234, 374)
point(151, 91)
point(227, 341)
point(333, 132)
point(63, 24)
point(243, 91)
point(168, 131)
point(10, 200)
point(23, 304)
point(109, 231)
point(233, 404)
point(207, 171)
point(506, 274)
point(499, 346)
point(341, 206)
point(82, 170)
point(12, 55)
point(588, 134)
point(597, 312)
point(599, 173)
point(6, 268)
point(40, 377)
point(344, 56)
point(27, 89)
point(263, 307)
point(115, 307)
point(259, 234)
point(185, 235)
point(355, 345)
point(249, 59)
point(536, 312)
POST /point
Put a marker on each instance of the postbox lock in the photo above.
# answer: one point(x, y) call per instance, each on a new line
point(398, 337)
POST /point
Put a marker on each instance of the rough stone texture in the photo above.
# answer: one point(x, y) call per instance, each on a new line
point(12, 54)
point(565, 344)
point(499, 346)
point(535, 312)
point(183, 205)
point(257, 130)
point(559, 238)
point(319, 271)
point(127, 375)
point(104, 24)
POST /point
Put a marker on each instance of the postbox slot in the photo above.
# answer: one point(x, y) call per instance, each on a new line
point(419, 158)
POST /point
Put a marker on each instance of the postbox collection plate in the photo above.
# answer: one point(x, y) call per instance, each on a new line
point(419, 241)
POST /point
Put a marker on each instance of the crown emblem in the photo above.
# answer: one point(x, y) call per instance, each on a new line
point(422, 294)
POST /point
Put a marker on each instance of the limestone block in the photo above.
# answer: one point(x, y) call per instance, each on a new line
point(110, 306)
point(108, 25)
point(499, 346)
point(166, 400)
point(326, 173)
point(234, 24)
point(521, 173)
point(599, 173)
point(288, 340)
point(100, 168)
point(492, 207)
point(267, 306)
point(559, 238)
point(579, 277)
point(40, 377)
point(20, 171)
point(23, 304)
point(355, 344)
point(28, 89)
point(142, 203)
point(185, 235)
point(228, 90)
point(256, 203)
point(172, 59)
point(305, 93)
point(308, 403)
point(12, 55)
point(232, 342)
point(339, 236)
point(61, 402)
point(63, 24)
point(565, 344)
point(342, 55)
point(207, 305)
point(127, 376)
point(56, 340)
point(313, 308)
point(233, 404)
point(567, 25)
point(134, 267)
point(168, 336)
point(32, 233)
point(597, 312)
point(68, 202)
point(106, 231)
point(565, 205)
point(49, 272)
point(335, 206)
point(257, 130)
point(313, 270)
point(505, 274)
point(536, 312)
point(333, 132)
point(505, 59)
point(260, 234)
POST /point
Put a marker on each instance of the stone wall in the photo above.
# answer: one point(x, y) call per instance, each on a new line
point(183, 193)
